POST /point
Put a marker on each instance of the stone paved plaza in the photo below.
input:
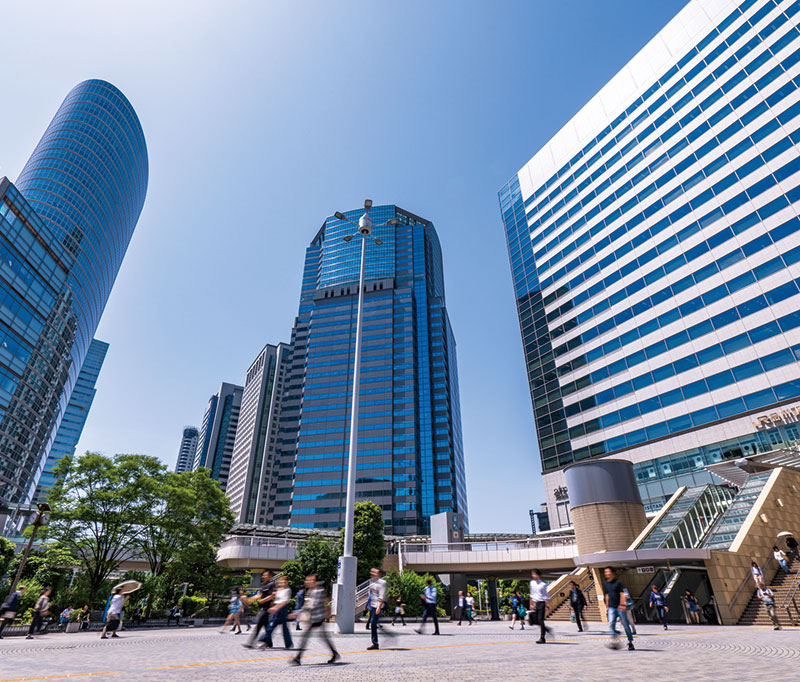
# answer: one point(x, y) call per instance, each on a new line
point(483, 651)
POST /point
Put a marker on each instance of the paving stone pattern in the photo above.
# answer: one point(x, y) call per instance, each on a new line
point(484, 651)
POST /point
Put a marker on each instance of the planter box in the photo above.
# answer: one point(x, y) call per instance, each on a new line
point(73, 627)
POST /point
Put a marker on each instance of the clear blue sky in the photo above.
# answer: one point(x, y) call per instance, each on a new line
point(261, 119)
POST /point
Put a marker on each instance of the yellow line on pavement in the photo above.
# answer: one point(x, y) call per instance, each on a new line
point(63, 676)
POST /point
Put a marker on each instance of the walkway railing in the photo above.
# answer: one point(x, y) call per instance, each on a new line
point(255, 541)
point(789, 600)
point(499, 545)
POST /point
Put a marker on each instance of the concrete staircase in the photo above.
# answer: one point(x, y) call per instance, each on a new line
point(590, 613)
point(756, 614)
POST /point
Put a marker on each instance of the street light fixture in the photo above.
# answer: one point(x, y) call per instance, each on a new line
point(346, 576)
point(42, 519)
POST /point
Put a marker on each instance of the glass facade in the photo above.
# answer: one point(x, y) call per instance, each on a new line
point(655, 245)
point(410, 458)
point(69, 432)
point(218, 432)
point(187, 449)
point(64, 229)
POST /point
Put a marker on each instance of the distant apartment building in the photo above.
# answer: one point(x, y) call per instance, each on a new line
point(187, 450)
point(253, 478)
point(218, 432)
point(74, 419)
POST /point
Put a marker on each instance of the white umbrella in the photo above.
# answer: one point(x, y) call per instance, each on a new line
point(785, 534)
point(127, 586)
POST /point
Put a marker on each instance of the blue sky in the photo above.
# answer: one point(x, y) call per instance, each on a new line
point(261, 119)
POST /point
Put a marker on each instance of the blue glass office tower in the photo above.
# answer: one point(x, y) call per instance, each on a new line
point(655, 253)
point(74, 419)
point(410, 458)
point(218, 433)
point(64, 229)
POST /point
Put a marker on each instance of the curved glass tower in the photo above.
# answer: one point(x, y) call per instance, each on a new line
point(64, 230)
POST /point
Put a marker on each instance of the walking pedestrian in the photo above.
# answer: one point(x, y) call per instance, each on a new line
point(616, 607)
point(539, 603)
point(517, 611)
point(114, 614)
point(465, 609)
point(767, 598)
point(429, 605)
point(264, 597)
point(234, 612)
point(298, 607)
point(10, 607)
point(399, 611)
point(757, 573)
point(279, 615)
point(577, 602)
point(791, 543)
point(315, 609)
point(691, 604)
point(40, 611)
point(659, 602)
point(470, 608)
point(781, 558)
point(377, 600)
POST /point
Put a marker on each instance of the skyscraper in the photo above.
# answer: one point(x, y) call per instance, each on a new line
point(217, 434)
point(410, 451)
point(655, 246)
point(64, 229)
point(252, 482)
point(187, 450)
point(69, 432)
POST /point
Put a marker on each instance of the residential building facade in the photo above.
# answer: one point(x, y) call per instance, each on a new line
point(64, 229)
point(410, 457)
point(654, 245)
point(252, 482)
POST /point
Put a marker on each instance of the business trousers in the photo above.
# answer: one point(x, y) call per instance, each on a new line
point(539, 607)
point(320, 625)
point(430, 611)
point(577, 609)
point(262, 622)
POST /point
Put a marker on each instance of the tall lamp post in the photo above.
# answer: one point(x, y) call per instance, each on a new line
point(346, 577)
point(42, 519)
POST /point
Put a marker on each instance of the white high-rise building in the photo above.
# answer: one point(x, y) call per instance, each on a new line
point(655, 253)
point(252, 481)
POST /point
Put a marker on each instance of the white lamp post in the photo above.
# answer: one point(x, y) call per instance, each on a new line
point(346, 578)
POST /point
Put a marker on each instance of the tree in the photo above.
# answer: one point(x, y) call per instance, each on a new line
point(409, 586)
point(318, 556)
point(6, 555)
point(368, 543)
point(294, 574)
point(100, 506)
point(188, 522)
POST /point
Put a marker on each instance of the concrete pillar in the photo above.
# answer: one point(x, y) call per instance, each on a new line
point(493, 607)
point(605, 505)
point(458, 581)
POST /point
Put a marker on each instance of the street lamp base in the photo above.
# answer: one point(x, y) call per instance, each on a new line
point(345, 595)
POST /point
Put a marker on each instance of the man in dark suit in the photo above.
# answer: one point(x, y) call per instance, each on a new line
point(577, 602)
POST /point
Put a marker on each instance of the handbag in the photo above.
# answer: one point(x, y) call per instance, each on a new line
point(533, 617)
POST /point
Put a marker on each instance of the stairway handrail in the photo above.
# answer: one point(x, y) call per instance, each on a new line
point(747, 579)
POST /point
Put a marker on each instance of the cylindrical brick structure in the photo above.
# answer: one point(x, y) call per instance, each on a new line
point(605, 505)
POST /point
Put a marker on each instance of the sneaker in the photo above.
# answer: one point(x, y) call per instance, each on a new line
point(665, 627)
point(31, 637)
point(294, 661)
point(541, 641)
point(777, 627)
point(115, 636)
point(373, 647)
point(510, 627)
point(333, 658)
point(101, 637)
point(419, 632)
point(631, 647)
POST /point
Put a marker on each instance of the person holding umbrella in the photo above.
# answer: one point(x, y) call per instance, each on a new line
point(114, 615)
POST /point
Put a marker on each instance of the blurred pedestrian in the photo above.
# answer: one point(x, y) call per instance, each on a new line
point(767, 598)
point(428, 598)
point(279, 615)
point(781, 558)
point(264, 597)
point(399, 611)
point(114, 615)
point(617, 608)
point(377, 602)
point(234, 611)
point(691, 604)
point(40, 612)
point(315, 608)
point(466, 609)
point(758, 575)
point(10, 607)
point(298, 607)
point(577, 603)
point(517, 611)
point(539, 602)
point(659, 602)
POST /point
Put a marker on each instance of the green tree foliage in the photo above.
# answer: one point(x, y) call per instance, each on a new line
point(318, 556)
point(409, 586)
point(369, 546)
point(100, 506)
point(6, 555)
point(294, 574)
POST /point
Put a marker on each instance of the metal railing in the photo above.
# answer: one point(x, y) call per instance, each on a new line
point(789, 600)
point(255, 541)
point(500, 545)
point(748, 579)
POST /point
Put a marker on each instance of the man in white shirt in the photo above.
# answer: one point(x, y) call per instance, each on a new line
point(539, 603)
point(767, 598)
point(114, 614)
point(429, 604)
point(377, 600)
